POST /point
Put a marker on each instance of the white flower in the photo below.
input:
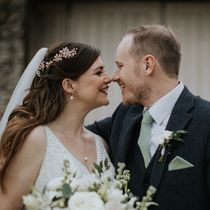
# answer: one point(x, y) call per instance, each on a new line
point(56, 208)
point(159, 139)
point(52, 195)
point(35, 202)
point(115, 194)
point(167, 134)
point(75, 184)
point(166, 138)
point(75, 191)
point(163, 136)
point(114, 205)
point(83, 182)
point(55, 183)
point(31, 201)
point(104, 186)
point(52, 188)
point(86, 201)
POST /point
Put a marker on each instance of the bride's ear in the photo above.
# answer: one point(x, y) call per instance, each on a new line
point(68, 85)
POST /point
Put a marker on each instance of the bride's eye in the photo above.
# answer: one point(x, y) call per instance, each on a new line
point(100, 72)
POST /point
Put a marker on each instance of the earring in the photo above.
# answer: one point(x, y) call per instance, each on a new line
point(71, 97)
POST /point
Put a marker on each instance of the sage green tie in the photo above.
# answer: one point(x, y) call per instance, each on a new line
point(145, 135)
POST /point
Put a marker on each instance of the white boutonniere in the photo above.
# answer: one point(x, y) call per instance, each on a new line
point(165, 140)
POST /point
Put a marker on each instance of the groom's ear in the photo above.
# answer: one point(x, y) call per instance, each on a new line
point(68, 85)
point(149, 62)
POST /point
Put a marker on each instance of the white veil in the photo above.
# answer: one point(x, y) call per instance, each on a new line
point(22, 86)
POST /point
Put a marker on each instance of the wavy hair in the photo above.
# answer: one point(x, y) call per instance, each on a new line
point(45, 99)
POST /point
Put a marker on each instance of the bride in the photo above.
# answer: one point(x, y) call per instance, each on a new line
point(48, 125)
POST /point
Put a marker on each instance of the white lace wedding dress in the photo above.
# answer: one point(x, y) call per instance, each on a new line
point(56, 153)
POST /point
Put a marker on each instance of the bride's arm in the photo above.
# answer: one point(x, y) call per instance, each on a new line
point(23, 170)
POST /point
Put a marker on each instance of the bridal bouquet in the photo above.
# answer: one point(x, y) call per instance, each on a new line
point(88, 192)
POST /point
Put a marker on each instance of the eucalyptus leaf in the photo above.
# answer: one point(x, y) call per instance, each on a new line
point(67, 192)
point(98, 167)
point(106, 162)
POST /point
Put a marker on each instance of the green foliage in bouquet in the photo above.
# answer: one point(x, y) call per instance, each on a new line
point(95, 191)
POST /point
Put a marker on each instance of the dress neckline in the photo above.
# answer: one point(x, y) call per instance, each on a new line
point(71, 154)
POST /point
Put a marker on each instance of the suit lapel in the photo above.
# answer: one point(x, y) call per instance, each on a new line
point(129, 132)
point(180, 115)
point(179, 119)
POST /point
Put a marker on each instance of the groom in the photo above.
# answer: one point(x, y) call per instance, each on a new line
point(148, 60)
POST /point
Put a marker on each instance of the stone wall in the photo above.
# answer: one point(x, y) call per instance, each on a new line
point(12, 31)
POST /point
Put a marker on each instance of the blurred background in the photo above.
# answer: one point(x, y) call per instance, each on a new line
point(27, 25)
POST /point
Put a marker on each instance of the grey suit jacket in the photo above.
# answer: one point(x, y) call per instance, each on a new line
point(182, 179)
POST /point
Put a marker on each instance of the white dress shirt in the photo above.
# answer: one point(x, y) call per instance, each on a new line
point(161, 111)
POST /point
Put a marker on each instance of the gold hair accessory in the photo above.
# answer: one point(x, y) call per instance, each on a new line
point(64, 53)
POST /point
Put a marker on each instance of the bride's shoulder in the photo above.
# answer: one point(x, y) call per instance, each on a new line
point(35, 143)
point(25, 165)
point(37, 137)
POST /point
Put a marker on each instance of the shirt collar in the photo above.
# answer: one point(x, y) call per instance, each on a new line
point(163, 107)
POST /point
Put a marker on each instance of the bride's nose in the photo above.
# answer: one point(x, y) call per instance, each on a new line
point(107, 79)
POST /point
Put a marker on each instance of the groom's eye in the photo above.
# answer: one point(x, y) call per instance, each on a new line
point(119, 66)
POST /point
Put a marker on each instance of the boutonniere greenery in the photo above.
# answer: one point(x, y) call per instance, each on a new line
point(167, 138)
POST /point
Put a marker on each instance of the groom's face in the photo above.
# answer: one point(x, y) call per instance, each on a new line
point(130, 74)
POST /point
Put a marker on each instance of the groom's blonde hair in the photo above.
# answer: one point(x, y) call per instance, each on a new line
point(161, 42)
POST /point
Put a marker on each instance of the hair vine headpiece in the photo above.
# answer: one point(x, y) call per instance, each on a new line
point(64, 53)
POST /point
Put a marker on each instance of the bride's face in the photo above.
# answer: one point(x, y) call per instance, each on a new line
point(92, 86)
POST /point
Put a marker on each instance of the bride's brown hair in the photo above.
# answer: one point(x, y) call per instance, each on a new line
point(45, 99)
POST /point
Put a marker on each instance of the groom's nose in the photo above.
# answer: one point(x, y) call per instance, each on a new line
point(115, 77)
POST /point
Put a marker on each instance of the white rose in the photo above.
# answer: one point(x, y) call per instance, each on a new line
point(84, 182)
point(52, 188)
point(164, 135)
point(55, 183)
point(53, 194)
point(115, 195)
point(114, 205)
point(159, 139)
point(86, 200)
point(35, 202)
point(167, 134)
point(74, 184)
point(31, 202)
